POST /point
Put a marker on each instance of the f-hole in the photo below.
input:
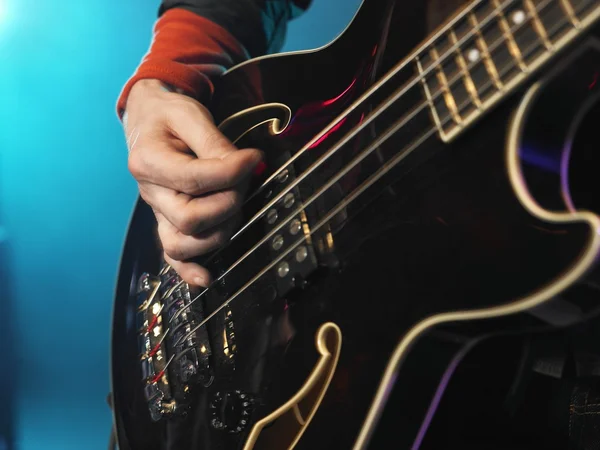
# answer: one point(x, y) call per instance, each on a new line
point(283, 428)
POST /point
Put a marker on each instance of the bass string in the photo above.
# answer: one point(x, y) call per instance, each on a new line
point(374, 177)
point(457, 78)
point(368, 119)
point(392, 130)
point(366, 95)
point(385, 168)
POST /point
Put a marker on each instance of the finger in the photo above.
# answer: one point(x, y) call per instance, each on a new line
point(159, 164)
point(190, 272)
point(191, 122)
point(192, 215)
point(181, 247)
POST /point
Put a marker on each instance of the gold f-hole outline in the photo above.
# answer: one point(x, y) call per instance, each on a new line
point(236, 126)
point(290, 420)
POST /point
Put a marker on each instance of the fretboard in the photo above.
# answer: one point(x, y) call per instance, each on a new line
point(489, 49)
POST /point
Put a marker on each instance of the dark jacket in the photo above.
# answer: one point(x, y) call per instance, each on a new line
point(259, 25)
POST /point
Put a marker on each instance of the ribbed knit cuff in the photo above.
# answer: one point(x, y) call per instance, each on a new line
point(187, 52)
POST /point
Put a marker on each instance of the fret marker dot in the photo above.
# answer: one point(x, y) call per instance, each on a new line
point(518, 17)
point(473, 55)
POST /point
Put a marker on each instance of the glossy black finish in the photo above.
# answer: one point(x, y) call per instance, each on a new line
point(442, 231)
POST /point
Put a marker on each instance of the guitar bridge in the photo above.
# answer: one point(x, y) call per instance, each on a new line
point(171, 358)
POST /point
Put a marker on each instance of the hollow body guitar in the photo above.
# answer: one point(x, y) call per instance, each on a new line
point(404, 216)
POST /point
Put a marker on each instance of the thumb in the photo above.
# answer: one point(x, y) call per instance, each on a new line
point(192, 123)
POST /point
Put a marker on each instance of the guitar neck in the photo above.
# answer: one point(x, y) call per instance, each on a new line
point(489, 49)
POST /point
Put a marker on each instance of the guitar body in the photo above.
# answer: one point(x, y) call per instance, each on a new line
point(353, 340)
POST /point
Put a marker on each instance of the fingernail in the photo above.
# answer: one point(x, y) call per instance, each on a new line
point(199, 281)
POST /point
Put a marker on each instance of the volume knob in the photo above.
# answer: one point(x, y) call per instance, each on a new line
point(231, 411)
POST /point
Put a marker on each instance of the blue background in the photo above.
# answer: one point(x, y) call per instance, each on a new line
point(65, 200)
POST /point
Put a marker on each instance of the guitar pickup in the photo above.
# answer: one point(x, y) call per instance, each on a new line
point(301, 261)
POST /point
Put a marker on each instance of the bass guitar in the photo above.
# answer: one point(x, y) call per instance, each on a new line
point(406, 213)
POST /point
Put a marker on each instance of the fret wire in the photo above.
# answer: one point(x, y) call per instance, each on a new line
point(429, 97)
point(421, 78)
point(525, 51)
point(485, 53)
point(450, 102)
point(328, 216)
point(322, 222)
point(551, 15)
point(463, 107)
point(368, 120)
point(440, 121)
point(570, 11)
point(467, 79)
point(538, 25)
point(512, 44)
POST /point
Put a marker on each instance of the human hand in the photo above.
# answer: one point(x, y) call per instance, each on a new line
point(187, 171)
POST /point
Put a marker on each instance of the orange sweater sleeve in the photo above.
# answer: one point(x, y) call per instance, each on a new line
point(187, 52)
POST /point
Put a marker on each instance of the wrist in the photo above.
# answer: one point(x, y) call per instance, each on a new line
point(139, 89)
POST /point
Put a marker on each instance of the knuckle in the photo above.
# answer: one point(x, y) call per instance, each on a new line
point(181, 106)
point(135, 164)
point(170, 241)
point(186, 105)
point(172, 247)
point(145, 194)
point(186, 224)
